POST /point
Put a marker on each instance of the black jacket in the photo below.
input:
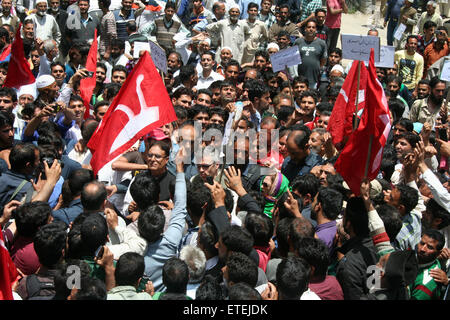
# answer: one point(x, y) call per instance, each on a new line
point(352, 269)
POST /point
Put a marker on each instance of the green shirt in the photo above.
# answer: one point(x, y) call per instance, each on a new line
point(425, 288)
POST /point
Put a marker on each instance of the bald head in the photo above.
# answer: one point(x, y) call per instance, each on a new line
point(93, 196)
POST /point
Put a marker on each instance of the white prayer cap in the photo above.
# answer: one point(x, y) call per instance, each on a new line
point(208, 40)
point(234, 6)
point(434, 4)
point(38, 1)
point(337, 67)
point(273, 45)
point(28, 89)
point(412, 1)
point(44, 81)
point(228, 48)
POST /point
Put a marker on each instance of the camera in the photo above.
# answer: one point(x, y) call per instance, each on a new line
point(90, 74)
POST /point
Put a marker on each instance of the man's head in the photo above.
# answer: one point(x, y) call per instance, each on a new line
point(234, 13)
point(335, 57)
point(157, 156)
point(320, 15)
point(100, 109)
point(182, 97)
point(169, 10)
point(234, 239)
point(252, 10)
point(58, 72)
point(188, 75)
point(405, 144)
point(227, 92)
point(356, 220)
point(429, 28)
point(76, 105)
point(316, 254)
point(311, 29)
point(6, 130)
point(299, 85)
point(54, 6)
point(218, 9)
point(327, 204)
point(31, 216)
point(292, 278)
point(50, 243)
point(240, 268)
point(151, 223)
point(6, 7)
point(437, 87)
point(24, 158)
point(94, 233)
point(175, 275)
point(204, 98)
point(174, 61)
point(118, 74)
point(8, 99)
point(208, 166)
point(195, 260)
point(84, 6)
point(129, 269)
point(232, 70)
point(307, 102)
point(261, 60)
point(41, 7)
point(284, 13)
point(283, 39)
point(127, 5)
point(411, 44)
point(93, 196)
point(402, 197)
point(207, 61)
point(297, 144)
point(431, 7)
point(423, 89)
point(145, 191)
point(430, 246)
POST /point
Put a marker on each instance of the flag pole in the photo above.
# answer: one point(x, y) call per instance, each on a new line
point(290, 87)
point(368, 156)
point(355, 118)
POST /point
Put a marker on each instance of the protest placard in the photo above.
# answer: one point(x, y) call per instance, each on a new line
point(386, 57)
point(159, 56)
point(445, 71)
point(399, 31)
point(139, 46)
point(285, 58)
point(357, 47)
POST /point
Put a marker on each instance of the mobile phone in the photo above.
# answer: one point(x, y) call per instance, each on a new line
point(443, 134)
point(99, 252)
point(90, 74)
point(210, 180)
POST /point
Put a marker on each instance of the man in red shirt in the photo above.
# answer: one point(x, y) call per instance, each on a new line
point(436, 50)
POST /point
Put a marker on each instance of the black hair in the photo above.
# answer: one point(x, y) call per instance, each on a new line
point(186, 72)
point(197, 196)
point(409, 197)
point(437, 211)
point(292, 278)
point(208, 237)
point(429, 24)
point(242, 269)
point(180, 112)
point(316, 253)
point(49, 243)
point(145, 190)
point(331, 202)
point(391, 219)
point(262, 53)
point(307, 183)
point(119, 67)
point(78, 178)
point(219, 111)
point(300, 137)
point(6, 119)
point(397, 108)
point(118, 43)
point(209, 289)
point(284, 113)
point(111, 89)
point(196, 109)
point(91, 288)
point(243, 291)
point(129, 269)
point(30, 216)
point(175, 275)
point(300, 228)
point(151, 223)
point(94, 233)
point(237, 239)
point(260, 227)
point(435, 235)
point(435, 81)
point(356, 214)
point(20, 155)
point(282, 232)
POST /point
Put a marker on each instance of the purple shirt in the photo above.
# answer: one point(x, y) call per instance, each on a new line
point(326, 232)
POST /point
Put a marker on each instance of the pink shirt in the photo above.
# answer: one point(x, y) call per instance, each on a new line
point(333, 21)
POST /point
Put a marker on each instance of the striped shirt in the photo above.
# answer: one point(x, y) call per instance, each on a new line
point(425, 288)
point(308, 7)
point(410, 233)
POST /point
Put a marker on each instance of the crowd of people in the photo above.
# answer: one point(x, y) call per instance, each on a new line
point(171, 218)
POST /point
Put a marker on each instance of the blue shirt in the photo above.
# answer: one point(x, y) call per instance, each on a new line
point(243, 5)
point(69, 214)
point(9, 181)
point(166, 247)
point(292, 169)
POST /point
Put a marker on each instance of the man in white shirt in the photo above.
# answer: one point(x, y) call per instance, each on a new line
point(45, 25)
point(207, 76)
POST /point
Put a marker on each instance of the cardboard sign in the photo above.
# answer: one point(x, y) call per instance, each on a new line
point(399, 31)
point(356, 47)
point(386, 57)
point(285, 58)
point(139, 46)
point(445, 71)
point(159, 56)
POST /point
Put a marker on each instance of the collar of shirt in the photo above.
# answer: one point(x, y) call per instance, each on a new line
point(211, 263)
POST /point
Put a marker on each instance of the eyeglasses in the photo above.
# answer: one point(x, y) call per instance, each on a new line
point(156, 156)
point(204, 166)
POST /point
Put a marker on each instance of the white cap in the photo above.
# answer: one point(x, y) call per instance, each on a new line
point(38, 1)
point(28, 89)
point(208, 40)
point(44, 81)
point(273, 45)
point(234, 6)
point(337, 67)
point(228, 48)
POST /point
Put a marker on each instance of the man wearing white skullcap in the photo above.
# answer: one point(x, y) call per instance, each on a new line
point(429, 15)
point(27, 94)
point(45, 25)
point(232, 33)
point(47, 88)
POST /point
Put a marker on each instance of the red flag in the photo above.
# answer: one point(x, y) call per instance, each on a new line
point(8, 272)
point(340, 124)
point(5, 53)
point(19, 72)
point(87, 85)
point(374, 125)
point(141, 105)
